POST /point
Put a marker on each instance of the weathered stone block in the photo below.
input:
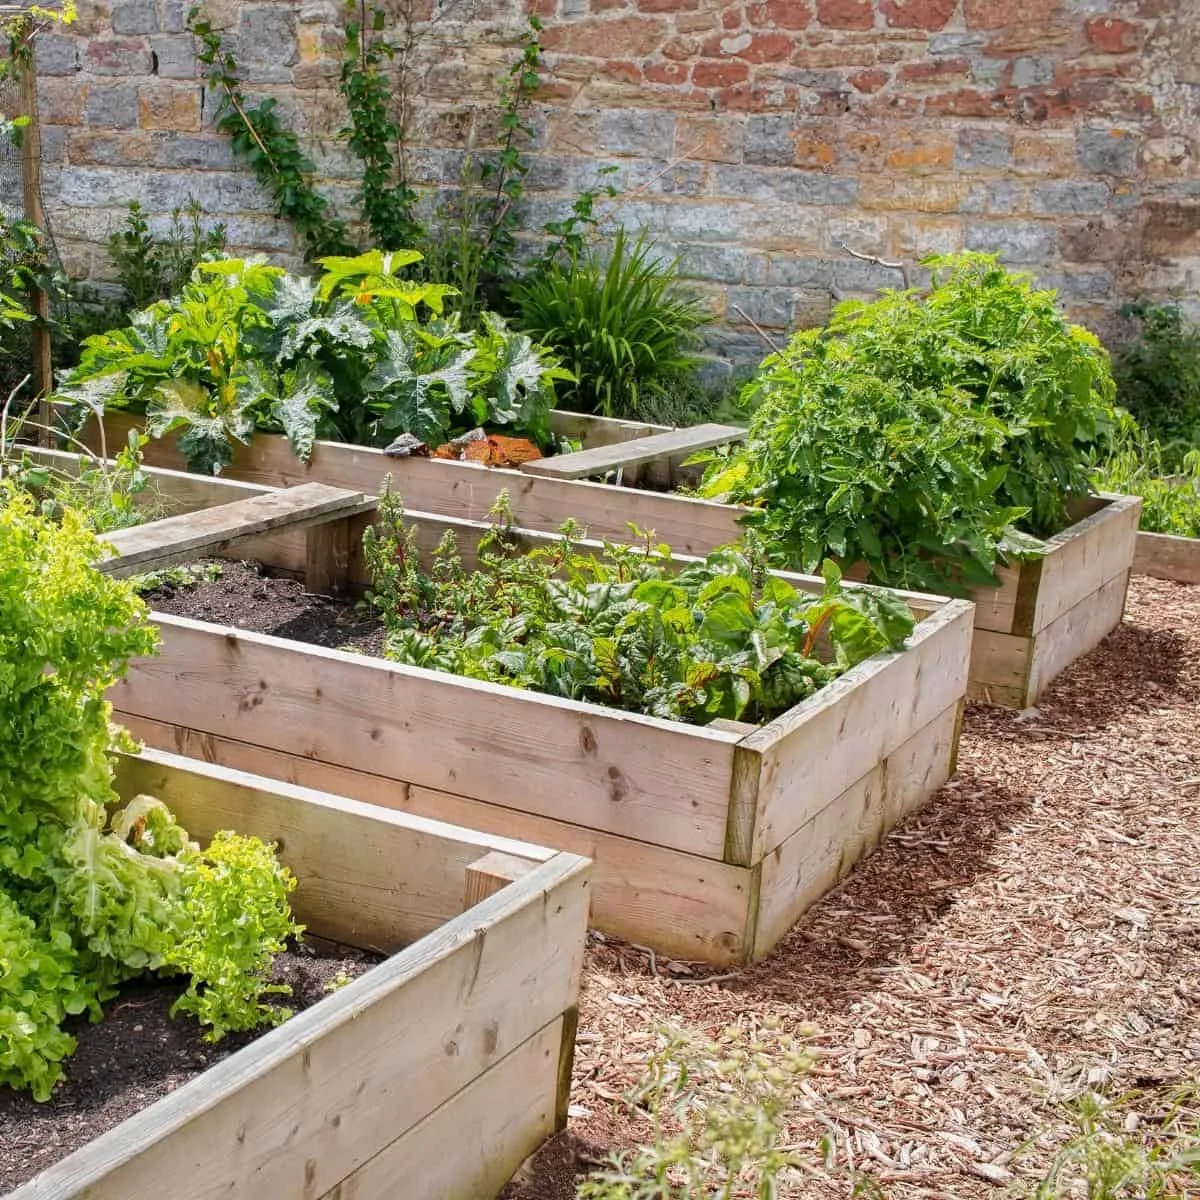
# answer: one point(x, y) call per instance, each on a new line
point(718, 264)
point(112, 106)
point(174, 56)
point(56, 54)
point(204, 153)
point(765, 306)
point(1031, 71)
point(639, 133)
point(983, 149)
point(1104, 150)
point(1014, 241)
point(709, 138)
point(135, 16)
point(1069, 196)
point(126, 57)
point(791, 187)
point(169, 106)
point(769, 140)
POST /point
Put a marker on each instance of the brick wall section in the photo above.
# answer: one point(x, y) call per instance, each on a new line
point(756, 140)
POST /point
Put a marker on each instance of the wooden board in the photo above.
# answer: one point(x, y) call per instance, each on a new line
point(818, 749)
point(1000, 668)
point(697, 908)
point(802, 869)
point(366, 876)
point(189, 535)
point(995, 607)
point(320, 1095)
point(471, 1146)
point(1075, 633)
point(599, 460)
point(1165, 556)
point(169, 492)
point(620, 773)
point(1084, 557)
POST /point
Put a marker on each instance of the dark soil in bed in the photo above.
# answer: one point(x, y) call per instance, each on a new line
point(245, 596)
point(138, 1054)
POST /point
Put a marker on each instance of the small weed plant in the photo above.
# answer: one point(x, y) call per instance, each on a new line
point(927, 434)
point(624, 628)
point(718, 1110)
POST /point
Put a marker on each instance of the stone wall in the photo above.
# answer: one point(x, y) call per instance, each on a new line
point(761, 141)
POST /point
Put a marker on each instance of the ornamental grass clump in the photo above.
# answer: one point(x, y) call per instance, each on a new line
point(927, 435)
point(92, 894)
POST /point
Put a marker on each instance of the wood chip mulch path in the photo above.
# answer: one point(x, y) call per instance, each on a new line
point(1032, 933)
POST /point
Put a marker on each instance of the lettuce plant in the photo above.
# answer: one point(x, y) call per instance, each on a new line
point(92, 894)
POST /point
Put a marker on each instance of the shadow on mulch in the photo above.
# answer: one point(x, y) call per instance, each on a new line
point(887, 905)
point(552, 1172)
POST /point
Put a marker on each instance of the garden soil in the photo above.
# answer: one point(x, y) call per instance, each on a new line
point(138, 1054)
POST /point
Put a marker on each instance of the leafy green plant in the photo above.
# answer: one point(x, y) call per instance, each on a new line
point(718, 1110)
point(1158, 376)
point(718, 638)
point(92, 894)
point(362, 354)
point(180, 576)
point(621, 327)
point(1138, 466)
point(236, 894)
point(927, 435)
point(152, 267)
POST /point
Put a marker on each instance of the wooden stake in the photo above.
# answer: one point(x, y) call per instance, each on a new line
point(39, 301)
point(491, 874)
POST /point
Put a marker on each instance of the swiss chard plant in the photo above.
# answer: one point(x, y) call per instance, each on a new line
point(625, 628)
point(928, 434)
point(92, 893)
point(359, 354)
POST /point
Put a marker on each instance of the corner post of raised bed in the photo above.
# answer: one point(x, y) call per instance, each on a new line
point(491, 874)
point(327, 552)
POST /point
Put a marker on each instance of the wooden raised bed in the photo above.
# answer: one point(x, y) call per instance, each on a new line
point(1045, 613)
point(709, 842)
point(1165, 556)
point(468, 1026)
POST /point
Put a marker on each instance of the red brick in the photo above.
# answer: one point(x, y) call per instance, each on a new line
point(996, 14)
point(767, 47)
point(967, 102)
point(869, 81)
point(1028, 38)
point(719, 74)
point(637, 36)
point(917, 14)
point(744, 98)
point(656, 6)
point(782, 14)
point(669, 72)
point(1112, 35)
point(934, 70)
point(731, 18)
point(846, 14)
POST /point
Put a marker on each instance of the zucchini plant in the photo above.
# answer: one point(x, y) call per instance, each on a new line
point(927, 434)
point(625, 628)
point(360, 354)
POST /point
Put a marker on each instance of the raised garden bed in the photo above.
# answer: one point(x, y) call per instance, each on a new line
point(1165, 556)
point(1045, 613)
point(469, 1024)
point(709, 841)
